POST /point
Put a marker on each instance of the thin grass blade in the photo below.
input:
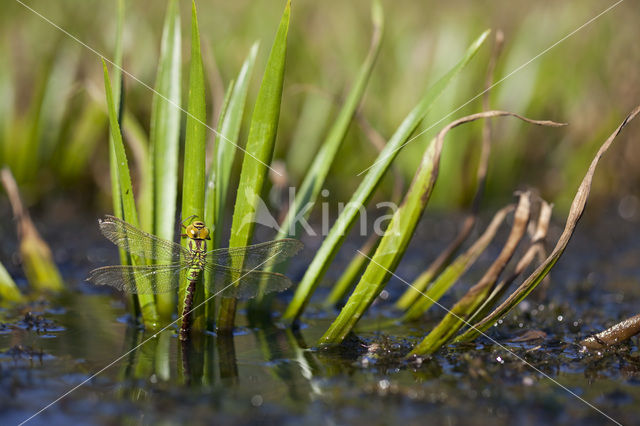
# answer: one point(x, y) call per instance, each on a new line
point(130, 214)
point(310, 188)
point(194, 158)
point(225, 151)
point(260, 144)
point(164, 138)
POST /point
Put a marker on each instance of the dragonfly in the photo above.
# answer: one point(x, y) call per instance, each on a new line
point(240, 272)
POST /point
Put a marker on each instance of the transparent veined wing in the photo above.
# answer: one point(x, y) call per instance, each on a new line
point(140, 243)
point(258, 256)
point(139, 279)
point(229, 282)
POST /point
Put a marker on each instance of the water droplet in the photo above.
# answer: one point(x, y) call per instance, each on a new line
point(256, 400)
point(560, 317)
point(384, 384)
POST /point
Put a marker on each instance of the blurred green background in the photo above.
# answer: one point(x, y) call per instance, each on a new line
point(52, 100)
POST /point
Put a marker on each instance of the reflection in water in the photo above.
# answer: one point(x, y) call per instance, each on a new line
point(210, 361)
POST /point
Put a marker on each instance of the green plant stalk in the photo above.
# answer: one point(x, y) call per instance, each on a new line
point(259, 150)
point(194, 159)
point(454, 271)
point(309, 190)
point(311, 186)
point(116, 196)
point(146, 301)
point(391, 248)
point(164, 138)
point(577, 208)
point(8, 289)
point(225, 151)
point(338, 232)
point(477, 294)
point(209, 218)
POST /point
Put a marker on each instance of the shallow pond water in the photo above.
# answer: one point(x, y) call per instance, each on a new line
point(529, 371)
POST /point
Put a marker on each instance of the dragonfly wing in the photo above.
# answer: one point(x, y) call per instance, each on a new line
point(139, 279)
point(258, 256)
point(228, 282)
point(138, 242)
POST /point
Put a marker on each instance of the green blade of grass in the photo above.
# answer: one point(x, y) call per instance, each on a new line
point(338, 232)
point(9, 291)
point(307, 194)
point(577, 208)
point(130, 214)
point(165, 126)
point(465, 307)
point(164, 138)
point(310, 188)
point(397, 236)
point(194, 158)
point(229, 128)
point(219, 174)
point(116, 196)
point(260, 144)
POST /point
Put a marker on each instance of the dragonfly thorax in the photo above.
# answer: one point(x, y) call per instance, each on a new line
point(197, 231)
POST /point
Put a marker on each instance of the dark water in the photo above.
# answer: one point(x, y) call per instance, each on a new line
point(272, 375)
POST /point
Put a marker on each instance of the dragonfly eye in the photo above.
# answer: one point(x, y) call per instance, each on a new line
point(204, 233)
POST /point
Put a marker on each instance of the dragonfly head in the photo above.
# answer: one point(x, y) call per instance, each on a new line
point(198, 231)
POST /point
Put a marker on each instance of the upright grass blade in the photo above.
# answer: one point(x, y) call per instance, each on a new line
point(225, 151)
point(399, 233)
point(37, 260)
point(130, 214)
point(311, 186)
point(309, 191)
point(218, 181)
point(259, 150)
point(194, 156)
point(164, 137)
point(465, 307)
point(338, 232)
point(116, 196)
point(577, 208)
point(9, 292)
